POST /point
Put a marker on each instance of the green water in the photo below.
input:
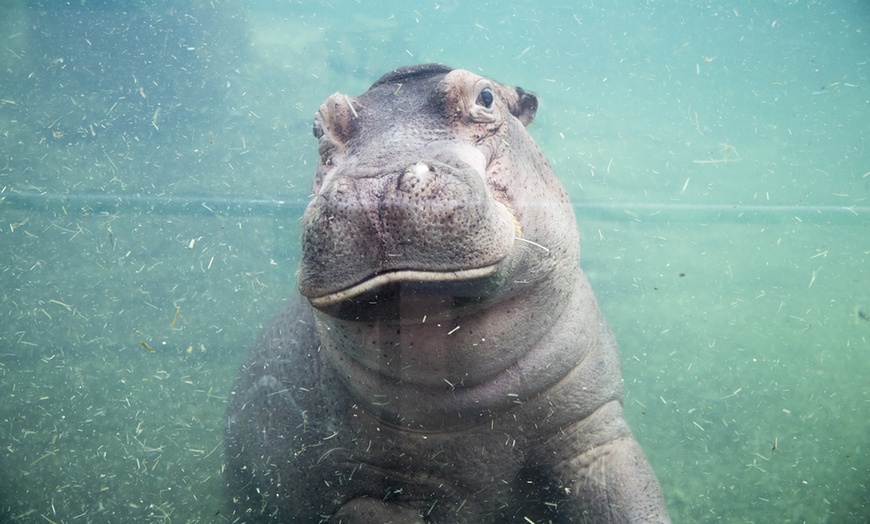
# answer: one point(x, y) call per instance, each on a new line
point(155, 161)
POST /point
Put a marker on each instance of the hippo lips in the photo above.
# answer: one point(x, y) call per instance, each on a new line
point(415, 296)
point(379, 281)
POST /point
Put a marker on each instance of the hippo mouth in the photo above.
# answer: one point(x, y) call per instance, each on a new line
point(413, 296)
point(420, 278)
point(428, 240)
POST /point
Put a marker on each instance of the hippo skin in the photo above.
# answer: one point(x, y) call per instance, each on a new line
point(446, 361)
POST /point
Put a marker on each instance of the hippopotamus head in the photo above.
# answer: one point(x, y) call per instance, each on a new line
point(431, 200)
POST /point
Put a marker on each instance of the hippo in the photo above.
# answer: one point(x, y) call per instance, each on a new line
point(445, 360)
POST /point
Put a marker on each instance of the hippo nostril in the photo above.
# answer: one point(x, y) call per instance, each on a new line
point(416, 178)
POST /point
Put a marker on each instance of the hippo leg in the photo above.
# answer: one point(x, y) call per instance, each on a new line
point(366, 510)
point(611, 480)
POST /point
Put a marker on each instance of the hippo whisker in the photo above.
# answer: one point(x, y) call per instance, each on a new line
point(330, 451)
point(527, 241)
point(352, 109)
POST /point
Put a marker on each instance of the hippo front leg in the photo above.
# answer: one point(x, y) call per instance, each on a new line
point(610, 480)
point(365, 510)
point(613, 483)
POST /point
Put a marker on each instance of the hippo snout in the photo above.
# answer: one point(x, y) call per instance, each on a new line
point(431, 221)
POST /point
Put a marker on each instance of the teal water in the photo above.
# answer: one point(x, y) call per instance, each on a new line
point(155, 160)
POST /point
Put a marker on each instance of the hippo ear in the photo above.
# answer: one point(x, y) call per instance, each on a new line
point(337, 118)
point(521, 103)
point(526, 107)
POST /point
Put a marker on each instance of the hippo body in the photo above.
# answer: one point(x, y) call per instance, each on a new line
point(446, 360)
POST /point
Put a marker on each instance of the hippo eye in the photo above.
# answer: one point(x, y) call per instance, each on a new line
point(486, 98)
point(317, 129)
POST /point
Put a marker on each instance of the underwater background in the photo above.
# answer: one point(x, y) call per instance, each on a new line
point(155, 158)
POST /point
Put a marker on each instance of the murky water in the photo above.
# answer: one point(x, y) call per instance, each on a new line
point(155, 161)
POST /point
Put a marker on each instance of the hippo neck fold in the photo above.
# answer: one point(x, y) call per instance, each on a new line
point(432, 375)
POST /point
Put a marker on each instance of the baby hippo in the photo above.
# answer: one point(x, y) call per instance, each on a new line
point(446, 360)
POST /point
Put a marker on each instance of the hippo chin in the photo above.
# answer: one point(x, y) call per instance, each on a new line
point(446, 361)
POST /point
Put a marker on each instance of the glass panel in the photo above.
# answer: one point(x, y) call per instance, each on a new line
point(156, 165)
